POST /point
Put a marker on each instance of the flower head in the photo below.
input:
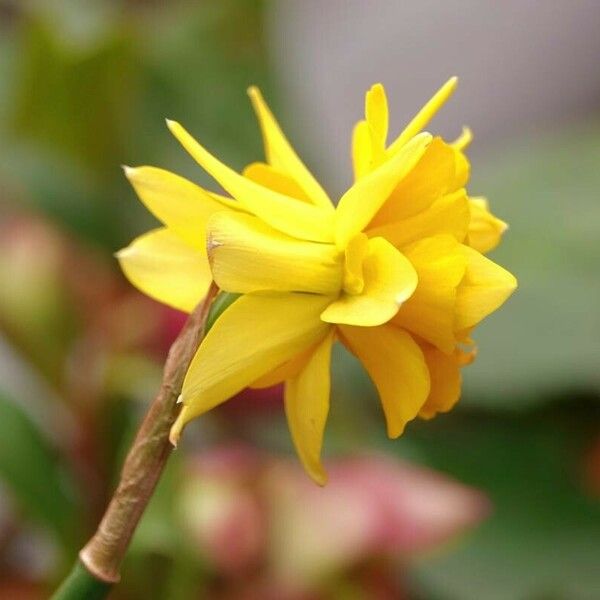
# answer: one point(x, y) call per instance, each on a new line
point(395, 271)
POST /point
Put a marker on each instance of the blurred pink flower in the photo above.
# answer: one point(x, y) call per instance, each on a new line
point(372, 506)
point(245, 509)
point(223, 510)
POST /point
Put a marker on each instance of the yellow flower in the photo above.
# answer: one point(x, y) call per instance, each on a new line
point(394, 272)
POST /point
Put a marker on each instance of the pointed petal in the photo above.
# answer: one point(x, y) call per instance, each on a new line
point(286, 214)
point(463, 141)
point(445, 376)
point(485, 230)
point(307, 406)
point(275, 180)
point(430, 311)
point(361, 150)
point(484, 288)
point(376, 115)
point(252, 337)
point(362, 201)
point(422, 118)
point(432, 177)
point(397, 367)
point(181, 205)
point(448, 215)
point(248, 256)
point(389, 280)
point(282, 156)
point(164, 267)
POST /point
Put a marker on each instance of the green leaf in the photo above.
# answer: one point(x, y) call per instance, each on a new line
point(35, 475)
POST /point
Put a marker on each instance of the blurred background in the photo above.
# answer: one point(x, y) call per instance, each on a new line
point(497, 500)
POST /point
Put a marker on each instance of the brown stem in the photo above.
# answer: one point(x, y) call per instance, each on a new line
point(103, 554)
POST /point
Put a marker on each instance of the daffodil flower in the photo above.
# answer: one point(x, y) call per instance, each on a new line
point(394, 271)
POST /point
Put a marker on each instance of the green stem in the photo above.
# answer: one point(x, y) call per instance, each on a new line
point(80, 583)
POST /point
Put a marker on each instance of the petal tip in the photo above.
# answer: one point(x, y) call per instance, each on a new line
point(172, 125)
point(129, 171)
point(395, 432)
point(175, 434)
point(179, 424)
point(319, 477)
point(124, 252)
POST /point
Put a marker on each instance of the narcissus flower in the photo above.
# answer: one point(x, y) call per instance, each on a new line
point(395, 271)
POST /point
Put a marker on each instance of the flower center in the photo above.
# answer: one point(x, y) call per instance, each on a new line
point(356, 250)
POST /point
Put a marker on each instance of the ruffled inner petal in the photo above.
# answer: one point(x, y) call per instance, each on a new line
point(448, 215)
point(430, 311)
point(389, 279)
point(360, 203)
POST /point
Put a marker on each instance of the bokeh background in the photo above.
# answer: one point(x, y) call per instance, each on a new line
point(497, 500)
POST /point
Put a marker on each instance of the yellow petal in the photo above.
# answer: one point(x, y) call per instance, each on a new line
point(248, 256)
point(485, 230)
point(389, 280)
point(444, 373)
point(361, 149)
point(252, 337)
point(181, 205)
point(430, 312)
point(422, 118)
point(307, 406)
point(275, 180)
point(397, 367)
point(355, 254)
point(376, 114)
point(282, 156)
point(286, 214)
point(463, 140)
point(462, 169)
point(164, 267)
point(484, 288)
point(287, 370)
point(433, 176)
point(447, 215)
point(362, 201)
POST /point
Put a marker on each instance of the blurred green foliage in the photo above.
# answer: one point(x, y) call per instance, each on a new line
point(546, 339)
point(36, 474)
point(89, 84)
point(543, 538)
